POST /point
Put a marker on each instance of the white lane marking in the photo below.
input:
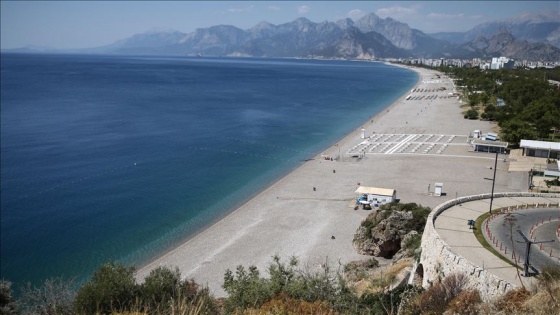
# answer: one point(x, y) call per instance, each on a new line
point(400, 144)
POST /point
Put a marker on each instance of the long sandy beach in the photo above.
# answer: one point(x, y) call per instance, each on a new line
point(308, 214)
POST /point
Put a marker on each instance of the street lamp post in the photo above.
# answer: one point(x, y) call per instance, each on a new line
point(493, 183)
point(527, 264)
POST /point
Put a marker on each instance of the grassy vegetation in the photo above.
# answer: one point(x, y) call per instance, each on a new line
point(288, 290)
point(478, 232)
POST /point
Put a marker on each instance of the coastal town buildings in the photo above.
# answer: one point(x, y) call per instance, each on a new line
point(490, 64)
point(501, 63)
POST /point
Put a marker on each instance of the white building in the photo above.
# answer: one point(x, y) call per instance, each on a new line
point(378, 195)
point(502, 62)
point(544, 149)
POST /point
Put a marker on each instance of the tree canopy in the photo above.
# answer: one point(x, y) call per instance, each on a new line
point(531, 108)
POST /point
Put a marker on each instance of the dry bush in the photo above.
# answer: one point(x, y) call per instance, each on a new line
point(359, 270)
point(549, 281)
point(52, 297)
point(540, 303)
point(399, 266)
point(386, 277)
point(466, 303)
point(547, 299)
point(436, 298)
point(512, 301)
point(410, 302)
point(285, 305)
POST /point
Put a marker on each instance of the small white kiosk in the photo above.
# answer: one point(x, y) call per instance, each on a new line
point(377, 195)
point(438, 189)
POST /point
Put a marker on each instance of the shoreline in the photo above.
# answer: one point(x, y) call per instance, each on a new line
point(157, 257)
point(291, 218)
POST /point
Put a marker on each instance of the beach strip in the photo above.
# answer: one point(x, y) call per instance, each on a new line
point(307, 213)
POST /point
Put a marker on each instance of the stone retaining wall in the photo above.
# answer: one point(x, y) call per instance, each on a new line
point(438, 260)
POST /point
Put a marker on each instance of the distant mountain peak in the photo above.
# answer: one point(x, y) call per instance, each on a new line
point(504, 43)
point(504, 30)
point(368, 36)
point(262, 25)
point(548, 16)
point(160, 30)
point(370, 16)
point(345, 23)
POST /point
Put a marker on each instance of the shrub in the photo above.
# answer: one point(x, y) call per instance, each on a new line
point(384, 303)
point(310, 286)
point(53, 296)
point(549, 280)
point(436, 298)
point(471, 114)
point(512, 301)
point(369, 224)
point(160, 287)
point(192, 299)
point(8, 304)
point(112, 288)
point(284, 304)
point(245, 289)
point(412, 244)
point(466, 303)
point(280, 274)
point(357, 270)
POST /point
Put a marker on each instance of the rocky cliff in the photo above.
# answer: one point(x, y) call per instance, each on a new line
point(393, 231)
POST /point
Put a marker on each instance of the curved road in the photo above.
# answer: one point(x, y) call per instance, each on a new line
point(539, 224)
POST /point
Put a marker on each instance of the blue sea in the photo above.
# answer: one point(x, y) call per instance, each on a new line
point(120, 158)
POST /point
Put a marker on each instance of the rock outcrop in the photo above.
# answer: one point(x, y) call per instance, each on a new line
point(391, 232)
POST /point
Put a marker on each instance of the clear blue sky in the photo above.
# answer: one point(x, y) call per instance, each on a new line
point(81, 24)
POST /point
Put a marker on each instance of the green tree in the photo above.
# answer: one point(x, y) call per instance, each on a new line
point(514, 130)
point(474, 99)
point(112, 288)
point(544, 113)
point(245, 289)
point(160, 287)
point(471, 114)
point(484, 98)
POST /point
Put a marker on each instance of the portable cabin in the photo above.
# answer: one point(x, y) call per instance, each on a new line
point(438, 189)
point(378, 195)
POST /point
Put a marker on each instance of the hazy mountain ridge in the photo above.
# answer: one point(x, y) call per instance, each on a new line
point(503, 43)
point(533, 27)
point(367, 37)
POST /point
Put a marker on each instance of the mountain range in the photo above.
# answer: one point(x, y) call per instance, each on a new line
point(529, 37)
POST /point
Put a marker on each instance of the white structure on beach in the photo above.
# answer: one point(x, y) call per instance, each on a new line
point(544, 149)
point(379, 195)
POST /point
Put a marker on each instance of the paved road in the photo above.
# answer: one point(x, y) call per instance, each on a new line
point(451, 226)
point(538, 225)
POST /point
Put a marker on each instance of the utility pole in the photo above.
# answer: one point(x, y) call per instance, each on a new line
point(493, 182)
point(527, 241)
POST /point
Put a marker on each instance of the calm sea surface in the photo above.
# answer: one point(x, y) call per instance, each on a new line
point(108, 158)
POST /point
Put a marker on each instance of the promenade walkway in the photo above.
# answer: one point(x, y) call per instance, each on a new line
point(451, 225)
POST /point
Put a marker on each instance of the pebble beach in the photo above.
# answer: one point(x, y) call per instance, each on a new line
point(309, 213)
